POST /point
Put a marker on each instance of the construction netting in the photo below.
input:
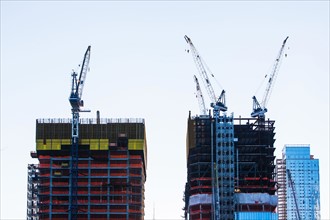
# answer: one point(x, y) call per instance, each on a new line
point(256, 198)
point(200, 199)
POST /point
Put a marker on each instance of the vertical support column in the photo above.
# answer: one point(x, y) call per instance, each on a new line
point(108, 185)
point(237, 168)
point(214, 170)
point(89, 190)
point(128, 186)
point(73, 205)
point(50, 188)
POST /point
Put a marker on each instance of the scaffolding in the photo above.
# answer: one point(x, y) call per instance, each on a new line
point(281, 191)
point(224, 150)
point(111, 169)
point(32, 195)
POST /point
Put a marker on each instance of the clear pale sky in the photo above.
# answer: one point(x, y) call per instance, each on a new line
point(139, 69)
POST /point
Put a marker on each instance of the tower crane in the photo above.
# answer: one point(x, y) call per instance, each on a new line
point(76, 102)
point(216, 103)
point(200, 97)
point(259, 109)
point(291, 184)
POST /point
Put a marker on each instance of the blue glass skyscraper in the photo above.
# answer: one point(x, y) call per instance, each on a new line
point(299, 183)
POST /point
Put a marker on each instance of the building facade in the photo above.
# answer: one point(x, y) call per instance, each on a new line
point(210, 168)
point(281, 188)
point(255, 184)
point(299, 183)
point(112, 166)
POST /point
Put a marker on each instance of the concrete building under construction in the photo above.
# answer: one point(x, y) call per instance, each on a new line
point(230, 168)
point(112, 163)
point(230, 161)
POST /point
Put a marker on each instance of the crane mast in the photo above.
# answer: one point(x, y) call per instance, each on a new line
point(218, 105)
point(200, 97)
point(259, 109)
point(76, 102)
point(215, 103)
point(291, 184)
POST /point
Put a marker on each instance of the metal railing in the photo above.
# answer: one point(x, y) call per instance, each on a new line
point(90, 120)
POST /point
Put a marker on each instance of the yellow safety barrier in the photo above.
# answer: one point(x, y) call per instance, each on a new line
point(104, 144)
point(135, 144)
point(55, 144)
point(66, 141)
point(94, 144)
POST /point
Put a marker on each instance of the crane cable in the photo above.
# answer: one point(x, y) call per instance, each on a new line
point(212, 75)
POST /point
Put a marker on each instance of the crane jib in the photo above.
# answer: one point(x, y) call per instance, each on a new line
point(200, 64)
point(259, 110)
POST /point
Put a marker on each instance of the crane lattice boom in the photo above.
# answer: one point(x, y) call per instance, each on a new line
point(78, 84)
point(201, 70)
point(260, 109)
point(291, 184)
point(218, 103)
point(200, 97)
point(273, 75)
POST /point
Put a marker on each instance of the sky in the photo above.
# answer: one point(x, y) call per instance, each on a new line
point(139, 68)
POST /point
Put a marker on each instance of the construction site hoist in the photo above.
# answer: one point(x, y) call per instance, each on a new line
point(259, 109)
point(291, 184)
point(200, 97)
point(76, 102)
point(216, 103)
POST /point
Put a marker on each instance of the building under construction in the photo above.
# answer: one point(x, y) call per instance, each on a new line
point(230, 161)
point(112, 162)
point(230, 168)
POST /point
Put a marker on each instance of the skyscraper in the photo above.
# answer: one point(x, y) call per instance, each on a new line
point(230, 168)
point(210, 168)
point(299, 183)
point(112, 163)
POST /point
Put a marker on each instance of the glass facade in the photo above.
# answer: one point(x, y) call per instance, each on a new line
point(256, 215)
point(302, 182)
